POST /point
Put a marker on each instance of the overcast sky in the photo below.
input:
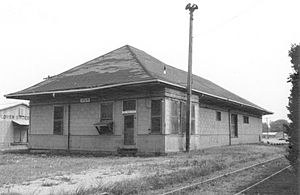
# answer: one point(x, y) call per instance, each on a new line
point(239, 45)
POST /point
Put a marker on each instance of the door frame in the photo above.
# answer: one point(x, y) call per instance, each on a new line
point(234, 125)
point(134, 129)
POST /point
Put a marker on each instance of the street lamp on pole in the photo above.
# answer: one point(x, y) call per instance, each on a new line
point(191, 8)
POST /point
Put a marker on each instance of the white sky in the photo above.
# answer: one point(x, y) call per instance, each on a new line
point(239, 45)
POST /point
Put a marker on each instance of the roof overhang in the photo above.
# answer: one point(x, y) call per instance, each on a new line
point(21, 122)
point(27, 96)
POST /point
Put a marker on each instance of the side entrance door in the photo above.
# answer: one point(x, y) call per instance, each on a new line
point(234, 125)
point(129, 130)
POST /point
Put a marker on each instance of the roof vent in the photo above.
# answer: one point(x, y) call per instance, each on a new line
point(165, 70)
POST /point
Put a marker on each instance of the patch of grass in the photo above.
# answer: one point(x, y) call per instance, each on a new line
point(159, 181)
point(146, 173)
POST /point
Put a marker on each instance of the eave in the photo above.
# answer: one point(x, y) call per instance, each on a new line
point(28, 96)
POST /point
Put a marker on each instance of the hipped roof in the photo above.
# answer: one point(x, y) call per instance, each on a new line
point(124, 66)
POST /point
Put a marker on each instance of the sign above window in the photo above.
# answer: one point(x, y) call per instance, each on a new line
point(129, 112)
point(85, 100)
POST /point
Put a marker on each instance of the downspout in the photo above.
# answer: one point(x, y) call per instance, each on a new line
point(69, 111)
point(30, 122)
point(229, 127)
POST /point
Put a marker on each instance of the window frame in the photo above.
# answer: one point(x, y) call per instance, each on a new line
point(177, 116)
point(193, 119)
point(109, 121)
point(21, 111)
point(57, 120)
point(246, 119)
point(156, 116)
point(235, 132)
point(182, 117)
point(129, 111)
point(100, 109)
point(218, 116)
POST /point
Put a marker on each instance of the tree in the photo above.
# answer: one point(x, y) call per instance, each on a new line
point(293, 108)
point(265, 127)
point(278, 125)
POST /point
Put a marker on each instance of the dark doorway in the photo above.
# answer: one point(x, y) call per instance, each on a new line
point(234, 125)
point(129, 130)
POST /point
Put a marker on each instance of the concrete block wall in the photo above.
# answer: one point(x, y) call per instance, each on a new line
point(248, 133)
point(211, 132)
point(83, 117)
point(84, 135)
point(106, 143)
point(151, 143)
point(174, 143)
point(208, 125)
point(42, 119)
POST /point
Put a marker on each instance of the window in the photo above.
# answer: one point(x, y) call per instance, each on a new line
point(105, 126)
point(58, 125)
point(218, 116)
point(182, 117)
point(129, 106)
point(234, 125)
point(156, 111)
point(175, 109)
point(21, 112)
point(106, 111)
point(193, 127)
point(246, 119)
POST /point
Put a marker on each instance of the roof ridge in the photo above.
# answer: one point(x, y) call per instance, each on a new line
point(89, 61)
point(15, 105)
point(139, 62)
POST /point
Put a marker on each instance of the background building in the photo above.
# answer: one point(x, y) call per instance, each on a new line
point(14, 122)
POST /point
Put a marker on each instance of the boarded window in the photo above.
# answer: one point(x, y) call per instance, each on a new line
point(156, 110)
point(246, 119)
point(106, 111)
point(175, 116)
point(129, 105)
point(218, 116)
point(21, 112)
point(58, 120)
point(182, 117)
point(193, 127)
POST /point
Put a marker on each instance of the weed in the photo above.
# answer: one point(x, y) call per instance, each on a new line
point(65, 179)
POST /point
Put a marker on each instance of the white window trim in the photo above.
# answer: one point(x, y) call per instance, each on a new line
point(63, 126)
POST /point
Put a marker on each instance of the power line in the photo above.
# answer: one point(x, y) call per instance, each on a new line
point(241, 13)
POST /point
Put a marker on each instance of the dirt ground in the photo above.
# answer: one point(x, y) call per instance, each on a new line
point(58, 174)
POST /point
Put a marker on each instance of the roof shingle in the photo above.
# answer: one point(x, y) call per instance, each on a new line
point(124, 66)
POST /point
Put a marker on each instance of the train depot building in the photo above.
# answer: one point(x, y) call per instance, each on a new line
point(127, 99)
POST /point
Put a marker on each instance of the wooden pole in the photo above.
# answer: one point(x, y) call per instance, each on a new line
point(189, 77)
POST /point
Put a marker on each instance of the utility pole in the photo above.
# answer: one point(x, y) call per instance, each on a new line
point(191, 8)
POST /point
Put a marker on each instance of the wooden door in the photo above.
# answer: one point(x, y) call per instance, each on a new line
point(129, 130)
point(234, 125)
